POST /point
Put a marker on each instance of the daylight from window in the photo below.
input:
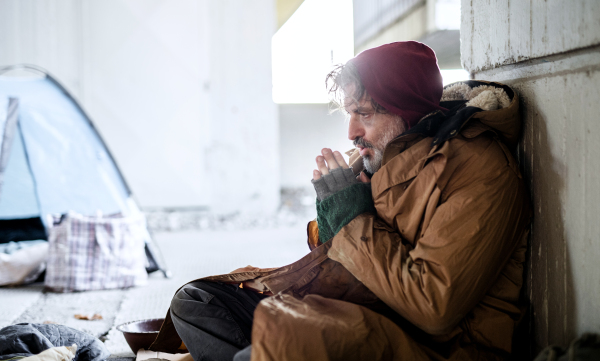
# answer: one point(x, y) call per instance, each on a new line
point(318, 36)
point(450, 76)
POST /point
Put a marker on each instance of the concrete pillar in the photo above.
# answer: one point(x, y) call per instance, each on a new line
point(242, 152)
point(549, 52)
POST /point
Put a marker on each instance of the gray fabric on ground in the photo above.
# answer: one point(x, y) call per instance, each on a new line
point(214, 319)
point(336, 180)
point(27, 339)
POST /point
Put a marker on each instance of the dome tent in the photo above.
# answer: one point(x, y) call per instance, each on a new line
point(53, 161)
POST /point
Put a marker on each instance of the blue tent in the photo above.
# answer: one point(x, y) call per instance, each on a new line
point(52, 159)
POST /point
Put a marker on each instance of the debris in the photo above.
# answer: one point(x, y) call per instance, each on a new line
point(95, 316)
point(104, 337)
point(49, 323)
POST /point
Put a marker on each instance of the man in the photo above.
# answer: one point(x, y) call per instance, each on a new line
point(419, 257)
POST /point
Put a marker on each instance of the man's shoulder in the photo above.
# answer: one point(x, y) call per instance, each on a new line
point(477, 159)
point(486, 149)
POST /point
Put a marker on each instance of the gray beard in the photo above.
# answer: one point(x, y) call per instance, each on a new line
point(372, 164)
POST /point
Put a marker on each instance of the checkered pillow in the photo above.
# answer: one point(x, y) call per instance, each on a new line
point(95, 253)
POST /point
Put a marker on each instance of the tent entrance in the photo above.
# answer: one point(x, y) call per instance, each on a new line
point(53, 161)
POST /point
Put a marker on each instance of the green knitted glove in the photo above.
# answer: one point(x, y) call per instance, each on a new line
point(337, 210)
point(325, 232)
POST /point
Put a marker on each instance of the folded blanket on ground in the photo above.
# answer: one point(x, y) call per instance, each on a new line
point(28, 339)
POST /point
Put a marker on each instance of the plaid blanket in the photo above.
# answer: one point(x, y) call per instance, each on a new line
point(95, 253)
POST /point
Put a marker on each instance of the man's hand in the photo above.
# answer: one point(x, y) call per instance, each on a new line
point(333, 174)
point(340, 195)
point(334, 160)
point(331, 160)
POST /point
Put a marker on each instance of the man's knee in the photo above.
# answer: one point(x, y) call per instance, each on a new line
point(186, 301)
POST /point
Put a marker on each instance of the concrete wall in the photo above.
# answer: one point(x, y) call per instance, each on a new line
point(243, 151)
point(413, 25)
point(372, 17)
point(432, 22)
point(181, 91)
point(305, 129)
point(504, 32)
point(549, 52)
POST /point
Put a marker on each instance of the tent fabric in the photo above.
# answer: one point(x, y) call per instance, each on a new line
point(8, 124)
point(53, 161)
point(69, 164)
point(18, 197)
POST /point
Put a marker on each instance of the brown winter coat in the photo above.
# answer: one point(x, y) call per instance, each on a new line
point(435, 274)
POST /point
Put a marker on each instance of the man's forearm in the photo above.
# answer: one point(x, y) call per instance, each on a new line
point(337, 210)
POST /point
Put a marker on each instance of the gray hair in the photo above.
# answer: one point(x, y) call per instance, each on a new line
point(339, 79)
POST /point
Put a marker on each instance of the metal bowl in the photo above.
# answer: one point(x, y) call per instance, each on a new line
point(141, 334)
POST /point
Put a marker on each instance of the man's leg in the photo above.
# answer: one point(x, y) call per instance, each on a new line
point(214, 319)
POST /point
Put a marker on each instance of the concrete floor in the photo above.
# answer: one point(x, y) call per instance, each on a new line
point(189, 255)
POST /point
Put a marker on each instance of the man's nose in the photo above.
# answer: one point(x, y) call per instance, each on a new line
point(355, 128)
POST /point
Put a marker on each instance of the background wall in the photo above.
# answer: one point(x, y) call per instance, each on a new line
point(181, 91)
point(549, 51)
point(432, 22)
point(305, 129)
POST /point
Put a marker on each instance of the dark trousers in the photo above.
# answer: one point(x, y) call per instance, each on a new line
point(214, 319)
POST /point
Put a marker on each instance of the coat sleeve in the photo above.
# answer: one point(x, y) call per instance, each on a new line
point(460, 254)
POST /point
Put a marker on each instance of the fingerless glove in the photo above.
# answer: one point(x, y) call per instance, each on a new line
point(335, 181)
point(338, 209)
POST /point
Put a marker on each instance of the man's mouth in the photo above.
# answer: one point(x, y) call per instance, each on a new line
point(362, 145)
point(363, 150)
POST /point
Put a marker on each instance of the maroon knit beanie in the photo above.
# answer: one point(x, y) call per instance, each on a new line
point(402, 77)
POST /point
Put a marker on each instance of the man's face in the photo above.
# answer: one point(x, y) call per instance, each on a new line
point(371, 131)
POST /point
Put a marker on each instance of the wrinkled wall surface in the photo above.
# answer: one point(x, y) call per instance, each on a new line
point(181, 91)
point(549, 52)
